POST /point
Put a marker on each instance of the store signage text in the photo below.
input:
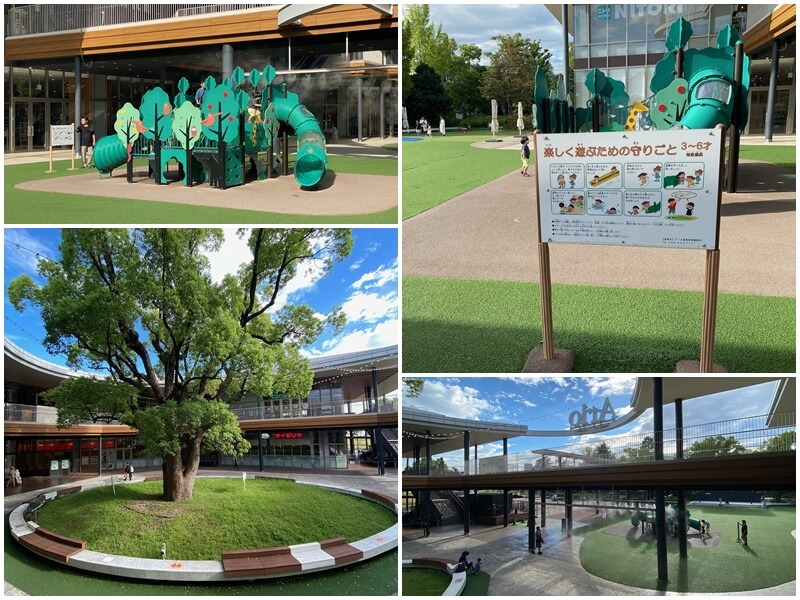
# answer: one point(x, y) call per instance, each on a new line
point(578, 419)
point(288, 435)
point(606, 12)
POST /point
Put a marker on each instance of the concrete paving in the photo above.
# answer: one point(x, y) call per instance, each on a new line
point(490, 233)
point(516, 572)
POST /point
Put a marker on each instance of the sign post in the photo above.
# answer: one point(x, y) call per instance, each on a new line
point(62, 135)
point(636, 188)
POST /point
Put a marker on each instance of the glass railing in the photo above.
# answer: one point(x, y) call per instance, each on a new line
point(50, 18)
point(763, 433)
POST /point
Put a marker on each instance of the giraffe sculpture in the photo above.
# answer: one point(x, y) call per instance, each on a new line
point(633, 116)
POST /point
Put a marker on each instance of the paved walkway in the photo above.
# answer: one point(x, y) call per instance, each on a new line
point(490, 233)
point(515, 572)
point(357, 477)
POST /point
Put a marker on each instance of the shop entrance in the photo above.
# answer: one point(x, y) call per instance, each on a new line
point(782, 118)
point(30, 127)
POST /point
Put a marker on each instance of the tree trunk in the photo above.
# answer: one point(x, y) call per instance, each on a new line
point(179, 475)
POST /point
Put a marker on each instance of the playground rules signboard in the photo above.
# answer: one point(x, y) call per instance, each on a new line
point(633, 188)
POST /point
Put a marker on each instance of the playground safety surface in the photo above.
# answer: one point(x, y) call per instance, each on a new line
point(336, 194)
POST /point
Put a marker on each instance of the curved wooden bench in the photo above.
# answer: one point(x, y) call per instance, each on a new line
point(260, 562)
point(340, 550)
point(67, 491)
point(53, 545)
point(387, 501)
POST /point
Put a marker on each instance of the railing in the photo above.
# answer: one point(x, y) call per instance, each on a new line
point(51, 18)
point(724, 438)
point(24, 413)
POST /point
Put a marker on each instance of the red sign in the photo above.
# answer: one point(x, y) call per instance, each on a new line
point(288, 435)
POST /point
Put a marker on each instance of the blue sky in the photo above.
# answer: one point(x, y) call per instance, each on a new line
point(545, 403)
point(478, 23)
point(365, 285)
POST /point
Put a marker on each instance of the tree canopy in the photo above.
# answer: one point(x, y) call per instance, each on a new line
point(715, 445)
point(141, 305)
point(428, 97)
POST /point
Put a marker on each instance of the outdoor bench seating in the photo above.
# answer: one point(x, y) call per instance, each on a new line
point(438, 563)
point(260, 562)
point(380, 498)
point(67, 491)
point(53, 545)
point(341, 550)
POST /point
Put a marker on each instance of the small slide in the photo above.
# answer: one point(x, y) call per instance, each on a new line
point(109, 154)
point(312, 162)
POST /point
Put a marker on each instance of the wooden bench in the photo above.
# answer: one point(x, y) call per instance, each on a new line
point(387, 501)
point(340, 550)
point(154, 478)
point(260, 562)
point(67, 491)
point(437, 563)
point(52, 545)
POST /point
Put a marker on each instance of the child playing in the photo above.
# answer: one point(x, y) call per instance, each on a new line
point(525, 155)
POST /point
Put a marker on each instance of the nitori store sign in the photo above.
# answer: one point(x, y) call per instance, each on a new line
point(606, 12)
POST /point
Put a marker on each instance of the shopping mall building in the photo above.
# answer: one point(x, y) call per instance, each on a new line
point(350, 408)
point(63, 61)
point(626, 41)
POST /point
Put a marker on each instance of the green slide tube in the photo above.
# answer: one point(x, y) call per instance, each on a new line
point(312, 162)
point(109, 153)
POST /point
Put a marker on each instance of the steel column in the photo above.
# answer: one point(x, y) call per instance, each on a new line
point(466, 490)
point(773, 90)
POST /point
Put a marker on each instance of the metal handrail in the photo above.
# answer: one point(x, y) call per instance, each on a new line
point(751, 435)
point(52, 18)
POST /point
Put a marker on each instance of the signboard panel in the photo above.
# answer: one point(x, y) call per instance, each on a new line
point(633, 188)
point(62, 135)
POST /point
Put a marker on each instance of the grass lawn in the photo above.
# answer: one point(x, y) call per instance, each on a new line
point(768, 560)
point(420, 581)
point(784, 156)
point(477, 585)
point(440, 168)
point(39, 577)
point(458, 326)
point(220, 516)
point(24, 206)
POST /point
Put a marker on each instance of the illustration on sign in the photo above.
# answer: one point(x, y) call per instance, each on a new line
point(630, 188)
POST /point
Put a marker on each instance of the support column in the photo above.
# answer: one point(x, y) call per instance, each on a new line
point(352, 444)
point(77, 121)
point(379, 441)
point(531, 520)
point(375, 389)
point(773, 90)
point(661, 533)
point(543, 515)
point(505, 492)
point(466, 491)
point(360, 108)
point(383, 118)
point(99, 451)
point(427, 493)
point(568, 510)
point(227, 61)
point(417, 470)
point(682, 545)
point(260, 450)
point(565, 44)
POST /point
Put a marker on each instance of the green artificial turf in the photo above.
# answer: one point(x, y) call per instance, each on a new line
point(477, 585)
point(784, 156)
point(25, 206)
point(729, 567)
point(39, 577)
point(438, 169)
point(459, 326)
point(220, 516)
point(421, 581)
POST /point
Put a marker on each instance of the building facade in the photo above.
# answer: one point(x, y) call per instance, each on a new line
point(65, 61)
point(347, 413)
point(626, 41)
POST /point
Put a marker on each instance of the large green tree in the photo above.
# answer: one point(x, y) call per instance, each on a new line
point(715, 445)
point(425, 43)
point(428, 97)
point(463, 83)
point(645, 451)
point(509, 77)
point(178, 347)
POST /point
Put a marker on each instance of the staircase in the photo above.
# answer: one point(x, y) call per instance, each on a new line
point(449, 505)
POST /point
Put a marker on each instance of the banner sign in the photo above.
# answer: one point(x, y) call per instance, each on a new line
point(62, 135)
point(633, 188)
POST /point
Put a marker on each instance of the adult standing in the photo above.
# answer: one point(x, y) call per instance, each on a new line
point(87, 140)
point(235, 463)
point(17, 477)
point(744, 532)
point(442, 128)
point(539, 540)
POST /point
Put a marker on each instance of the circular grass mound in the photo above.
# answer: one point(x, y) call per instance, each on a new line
point(221, 516)
point(719, 566)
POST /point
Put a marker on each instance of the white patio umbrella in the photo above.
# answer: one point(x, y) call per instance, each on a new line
point(520, 120)
point(495, 125)
point(405, 118)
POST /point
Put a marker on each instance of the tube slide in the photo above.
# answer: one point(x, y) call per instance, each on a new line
point(109, 153)
point(312, 162)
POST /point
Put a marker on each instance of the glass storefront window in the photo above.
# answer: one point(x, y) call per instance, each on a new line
point(37, 83)
point(124, 90)
point(598, 23)
point(22, 83)
point(580, 21)
point(617, 50)
point(55, 84)
point(720, 16)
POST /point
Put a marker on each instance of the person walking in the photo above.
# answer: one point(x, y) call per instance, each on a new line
point(11, 479)
point(128, 472)
point(539, 540)
point(86, 142)
point(235, 463)
point(525, 155)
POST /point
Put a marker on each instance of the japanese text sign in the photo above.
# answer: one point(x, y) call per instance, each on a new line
point(633, 188)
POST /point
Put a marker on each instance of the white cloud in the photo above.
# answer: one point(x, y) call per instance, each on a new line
point(377, 278)
point(23, 251)
point(230, 256)
point(356, 264)
point(370, 307)
point(452, 400)
point(379, 336)
point(529, 404)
